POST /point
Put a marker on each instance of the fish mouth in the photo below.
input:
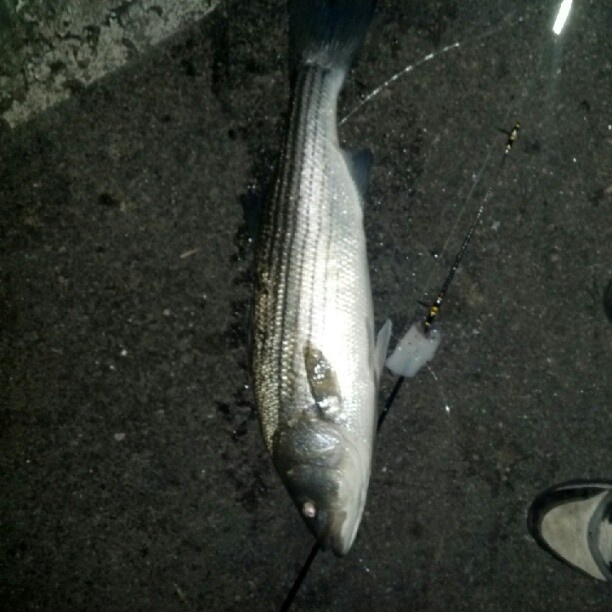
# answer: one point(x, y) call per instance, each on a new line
point(339, 534)
point(334, 525)
point(338, 545)
point(331, 539)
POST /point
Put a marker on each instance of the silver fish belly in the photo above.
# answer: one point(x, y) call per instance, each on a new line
point(315, 365)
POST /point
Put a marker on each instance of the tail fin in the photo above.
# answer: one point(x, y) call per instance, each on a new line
point(327, 33)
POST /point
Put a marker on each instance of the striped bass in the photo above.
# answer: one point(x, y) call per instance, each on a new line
point(315, 361)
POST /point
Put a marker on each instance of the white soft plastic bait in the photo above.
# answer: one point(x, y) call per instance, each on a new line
point(414, 350)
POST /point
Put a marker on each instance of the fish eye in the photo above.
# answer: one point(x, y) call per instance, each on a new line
point(309, 510)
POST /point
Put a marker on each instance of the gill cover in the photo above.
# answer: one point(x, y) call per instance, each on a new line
point(322, 472)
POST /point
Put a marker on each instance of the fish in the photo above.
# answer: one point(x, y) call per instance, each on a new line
point(316, 363)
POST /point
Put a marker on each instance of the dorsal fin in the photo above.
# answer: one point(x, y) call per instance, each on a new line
point(360, 166)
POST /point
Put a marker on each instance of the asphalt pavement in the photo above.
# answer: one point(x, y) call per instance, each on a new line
point(132, 470)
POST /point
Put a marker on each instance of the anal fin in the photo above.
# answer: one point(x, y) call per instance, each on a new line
point(360, 164)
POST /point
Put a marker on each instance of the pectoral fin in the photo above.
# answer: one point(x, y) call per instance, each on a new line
point(322, 380)
point(382, 344)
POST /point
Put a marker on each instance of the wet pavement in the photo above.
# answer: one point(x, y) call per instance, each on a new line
point(132, 470)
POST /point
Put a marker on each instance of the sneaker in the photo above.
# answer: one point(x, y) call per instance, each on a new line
point(573, 522)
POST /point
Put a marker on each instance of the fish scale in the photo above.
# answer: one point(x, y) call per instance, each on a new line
point(314, 366)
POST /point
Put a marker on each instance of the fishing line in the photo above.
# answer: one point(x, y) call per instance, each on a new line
point(447, 407)
point(459, 217)
point(434, 308)
point(400, 379)
point(471, 40)
point(293, 591)
point(512, 133)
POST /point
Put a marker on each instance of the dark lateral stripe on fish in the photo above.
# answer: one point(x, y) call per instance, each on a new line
point(318, 231)
point(282, 238)
point(303, 235)
point(276, 223)
point(300, 235)
point(282, 247)
point(294, 258)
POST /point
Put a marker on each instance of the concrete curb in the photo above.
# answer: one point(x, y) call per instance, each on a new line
point(48, 52)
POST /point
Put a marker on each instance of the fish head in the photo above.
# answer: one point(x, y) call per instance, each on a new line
point(326, 476)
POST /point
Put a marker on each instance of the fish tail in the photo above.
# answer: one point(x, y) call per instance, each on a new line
point(327, 33)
